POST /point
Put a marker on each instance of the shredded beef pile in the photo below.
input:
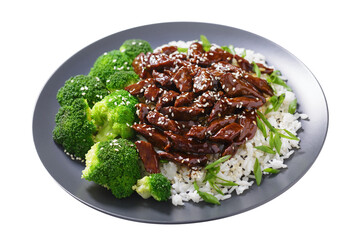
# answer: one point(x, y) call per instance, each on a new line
point(195, 104)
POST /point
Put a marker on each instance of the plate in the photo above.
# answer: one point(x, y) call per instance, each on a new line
point(67, 172)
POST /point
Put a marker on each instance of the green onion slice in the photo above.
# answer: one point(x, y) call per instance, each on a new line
point(265, 149)
point(271, 170)
point(257, 172)
point(256, 69)
point(292, 106)
point(205, 43)
point(206, 196)
point(220, 160)
point(261, 126)
point(180, 49)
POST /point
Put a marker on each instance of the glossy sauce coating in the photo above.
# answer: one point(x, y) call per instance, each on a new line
point(148, 156)
point(195, 104)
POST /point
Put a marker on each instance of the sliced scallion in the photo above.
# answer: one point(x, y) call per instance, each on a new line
point(271, 170)
point(205, 43)
point(180, 49)
point(229, 49)
point(220, 160)
point(207, 197)
point(256, 69)
point(277, 142)
point(274, 78)
point(261, 126)
point(243, 54)
point(267, 123)
point(292, 106)
point(257, 172)
point(265, 149)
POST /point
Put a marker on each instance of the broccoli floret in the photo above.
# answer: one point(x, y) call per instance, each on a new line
point(120, 80)
point(113, 164)
point(81, 86)
point(74, 129)
point(110, 63)
point(114, 115)
point(134, 47)
point(155, 185)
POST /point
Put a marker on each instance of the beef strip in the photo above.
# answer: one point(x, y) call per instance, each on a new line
point(150, 133)
point(184, 144)
point(148, 156)
point(190, 160)
point(197, 131)
point(164, 123)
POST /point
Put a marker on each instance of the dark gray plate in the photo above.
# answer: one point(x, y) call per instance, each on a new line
point(67, 172)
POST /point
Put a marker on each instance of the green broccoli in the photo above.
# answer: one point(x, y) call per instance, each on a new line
point(74, 129)
point(155, 185)
point(120, 80)
point(81, 86)
point(110, 63)
point(113, 164)
point(134, 47)
point(114, 115)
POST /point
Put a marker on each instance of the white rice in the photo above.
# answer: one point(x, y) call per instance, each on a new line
point(239, 168)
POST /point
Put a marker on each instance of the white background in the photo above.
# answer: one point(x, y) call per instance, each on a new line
point(38, 36)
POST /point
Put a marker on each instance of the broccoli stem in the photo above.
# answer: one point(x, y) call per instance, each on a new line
point(105, 132)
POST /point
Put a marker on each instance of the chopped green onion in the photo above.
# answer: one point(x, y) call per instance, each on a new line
point(274, 78)
point(226, 48)
point(227, 183)
point(163, 161)
point(229, 49)
point(267, 123)
point(276, 102)
point(220, 160)
point(256, 69)
point(291, 136)
point(211, 175)
point(261, 126)
point(180, 49)
point(243, 53)
point(292, 106)
point(277, 142)
point(257, 172)
point(214, 186)
point(271, 170)
point(207, 197)
point(273, 100)
point(265, 149)
point(279, 102)
point(268, 79)
point(205, 43)
point(288, 137)
point(271, 140)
